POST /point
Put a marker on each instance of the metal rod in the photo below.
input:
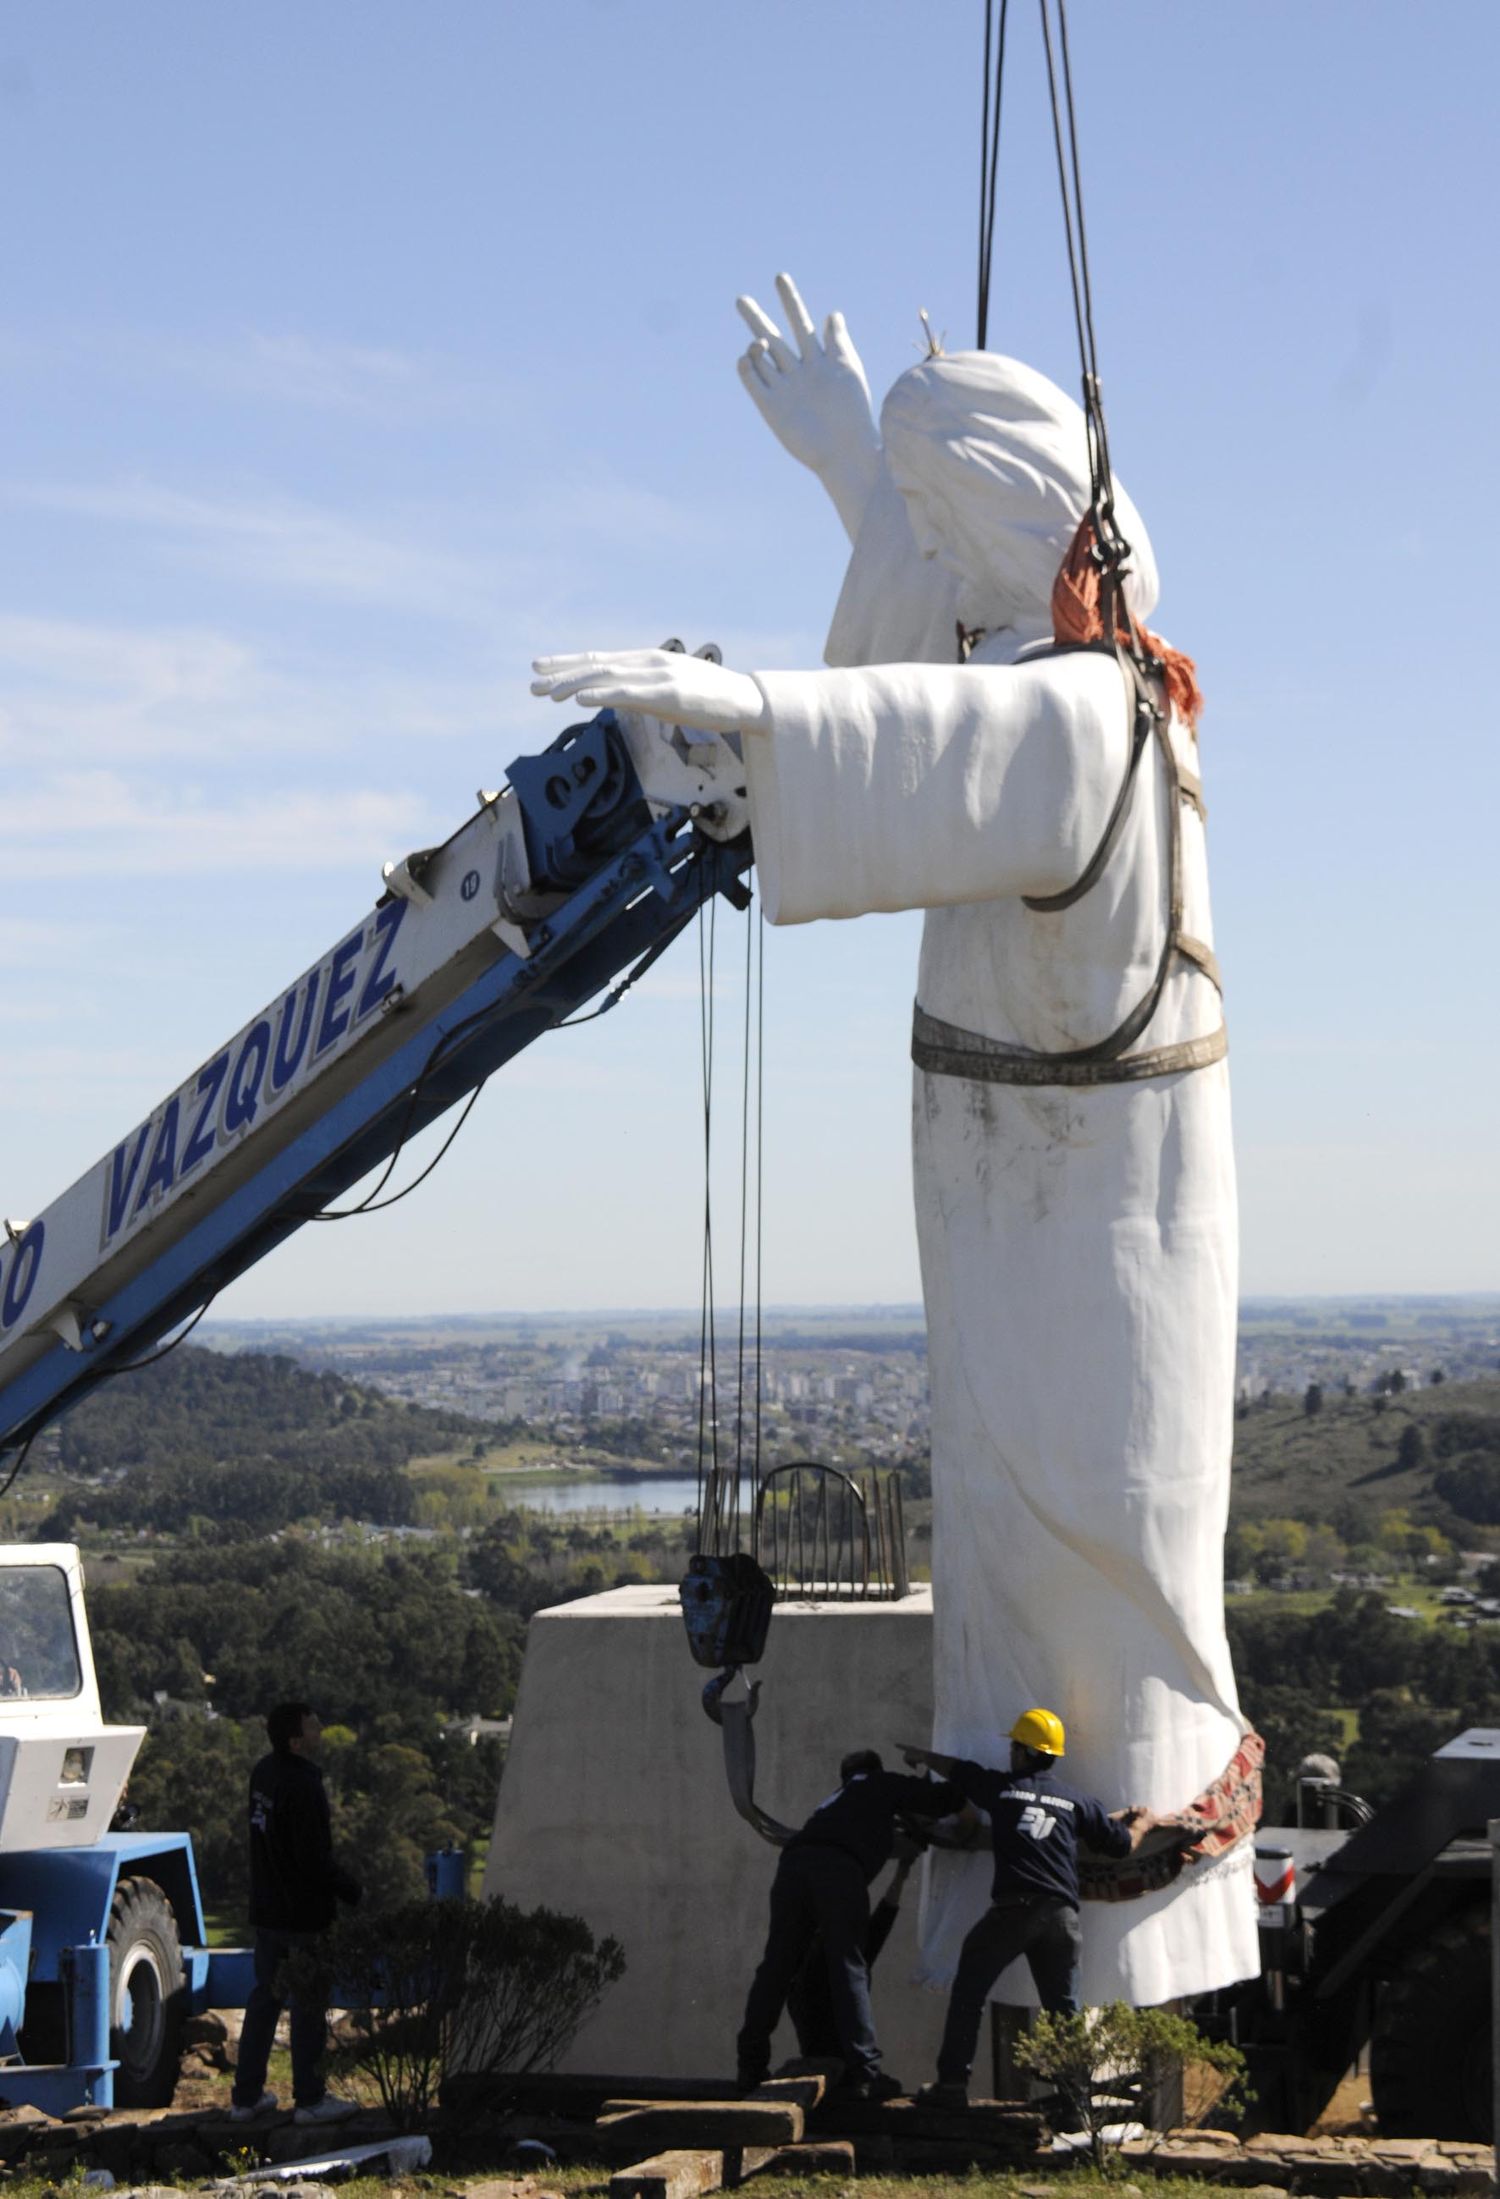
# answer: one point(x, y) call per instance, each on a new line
point(1495, 1976)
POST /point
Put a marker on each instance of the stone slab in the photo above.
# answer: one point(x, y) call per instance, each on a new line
point(700, 2123)
point(1320, 2168)
point(804, 2092)
point(819, 2157)
point(681, 2173)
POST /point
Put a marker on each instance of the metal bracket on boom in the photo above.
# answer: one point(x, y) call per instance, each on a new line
point(79, 1328)
point(404, 879)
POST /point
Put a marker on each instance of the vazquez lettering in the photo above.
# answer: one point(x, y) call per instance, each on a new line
point(234, 1091)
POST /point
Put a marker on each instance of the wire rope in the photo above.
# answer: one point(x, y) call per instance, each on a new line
point(989, 155)
point(1111, 549)
point(739, 1395)
point(710, 1504)
point(134, 1366)
point(760, 1148)
point(14, 1475)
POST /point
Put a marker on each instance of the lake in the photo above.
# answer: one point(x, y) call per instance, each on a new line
point(648, 1493)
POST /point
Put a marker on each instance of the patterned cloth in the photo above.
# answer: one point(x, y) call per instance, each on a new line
point(1223, 1815)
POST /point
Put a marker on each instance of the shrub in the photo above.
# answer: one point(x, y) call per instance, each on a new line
point(481, 1988)
point(1107, 2064)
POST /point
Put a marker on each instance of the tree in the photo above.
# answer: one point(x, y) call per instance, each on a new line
point(1472, 1487)
point(1411, 1451)
point(1312, 1398)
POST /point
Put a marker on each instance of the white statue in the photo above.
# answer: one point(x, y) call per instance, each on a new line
point(1078, 1227)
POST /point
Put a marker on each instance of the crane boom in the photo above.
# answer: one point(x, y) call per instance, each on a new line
point(594, 856)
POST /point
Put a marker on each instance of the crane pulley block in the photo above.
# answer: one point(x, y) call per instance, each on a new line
point(726, 1608)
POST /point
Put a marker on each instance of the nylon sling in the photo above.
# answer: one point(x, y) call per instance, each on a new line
point(946, 1050)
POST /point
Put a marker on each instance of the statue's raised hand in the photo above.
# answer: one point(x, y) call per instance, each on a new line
point(661, 682)
point(815, 399)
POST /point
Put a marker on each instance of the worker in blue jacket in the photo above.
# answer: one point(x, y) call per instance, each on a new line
point(1038, 1822)
point(822, 1888)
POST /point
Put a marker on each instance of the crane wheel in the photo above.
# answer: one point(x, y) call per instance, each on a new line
point(1430, 2074)
point(147, 1992)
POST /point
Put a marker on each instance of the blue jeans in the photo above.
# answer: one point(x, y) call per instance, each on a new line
point(1047, 1934)
point(268, 1996)
point(816, 1890)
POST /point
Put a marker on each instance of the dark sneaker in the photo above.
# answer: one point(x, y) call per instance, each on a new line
point(749, 2080)
point(876, 2088)
point(939, 2094)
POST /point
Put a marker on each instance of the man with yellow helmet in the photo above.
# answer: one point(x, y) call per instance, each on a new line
point(1038, 1822)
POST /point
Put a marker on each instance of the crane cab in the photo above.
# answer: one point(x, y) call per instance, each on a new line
point(62, 1770)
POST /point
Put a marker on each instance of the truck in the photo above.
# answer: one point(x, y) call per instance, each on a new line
point(103, 1945)
point(1375, 1931)
point(563, 885)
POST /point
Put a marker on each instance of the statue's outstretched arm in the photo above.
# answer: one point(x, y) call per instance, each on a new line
point(664, 683)
point(815, 399)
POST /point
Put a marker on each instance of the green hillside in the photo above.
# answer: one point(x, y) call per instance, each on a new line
point(1417, 1449)
point(249, 1443)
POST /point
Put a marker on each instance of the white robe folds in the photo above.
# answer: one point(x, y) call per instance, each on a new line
point(1078, 1245)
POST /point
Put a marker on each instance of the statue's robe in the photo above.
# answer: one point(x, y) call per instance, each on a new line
point(1078, 1245)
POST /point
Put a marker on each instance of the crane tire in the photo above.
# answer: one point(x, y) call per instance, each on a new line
point(147, 1994)
point(1430, 2074)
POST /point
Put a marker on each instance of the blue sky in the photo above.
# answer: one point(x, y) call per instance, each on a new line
point(354, 354)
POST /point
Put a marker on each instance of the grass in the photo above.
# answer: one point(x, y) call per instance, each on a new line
point(538, 1463)
point(1412, 1595)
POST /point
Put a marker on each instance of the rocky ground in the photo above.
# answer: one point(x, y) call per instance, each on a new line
point(655, 2149)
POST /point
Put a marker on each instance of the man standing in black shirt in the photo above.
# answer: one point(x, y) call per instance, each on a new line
point(822, 1887)
point(1037, 1823)
point(295, 1886)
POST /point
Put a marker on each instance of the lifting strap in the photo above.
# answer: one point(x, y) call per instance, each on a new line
point(945, 1050)
point(736, 1720)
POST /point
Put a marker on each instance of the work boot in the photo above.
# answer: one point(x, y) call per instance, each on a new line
point(749, 2080)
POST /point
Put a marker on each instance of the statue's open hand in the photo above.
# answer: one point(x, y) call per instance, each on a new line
point(663, 683)
point(815, 399)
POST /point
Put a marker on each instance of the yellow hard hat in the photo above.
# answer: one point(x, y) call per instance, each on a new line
point(1041, 1730)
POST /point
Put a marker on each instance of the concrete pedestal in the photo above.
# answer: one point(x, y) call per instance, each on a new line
point(614, 1807)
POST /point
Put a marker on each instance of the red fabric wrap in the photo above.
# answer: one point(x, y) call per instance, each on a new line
point(1076, 617)
point(1223, 1815)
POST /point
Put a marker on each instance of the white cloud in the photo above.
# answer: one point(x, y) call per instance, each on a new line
point(291, 546)
point(27, 943)
point(95, 823)
point(83, 690)
point(377, 383)
point(370, 381)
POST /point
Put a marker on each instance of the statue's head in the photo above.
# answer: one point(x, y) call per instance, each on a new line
point(992, 461)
